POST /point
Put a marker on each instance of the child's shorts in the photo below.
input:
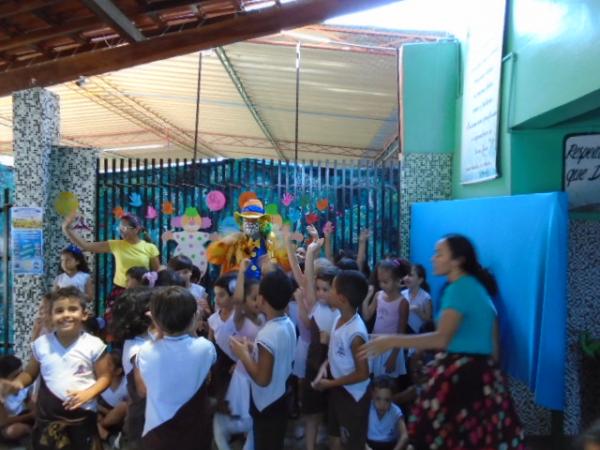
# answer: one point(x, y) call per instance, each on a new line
point(348, 419)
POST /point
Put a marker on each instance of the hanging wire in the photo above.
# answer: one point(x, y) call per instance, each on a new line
point(197, 108)
point(298, 47)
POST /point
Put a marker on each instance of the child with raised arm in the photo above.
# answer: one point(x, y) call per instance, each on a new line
point(74, 369)
point(270, 364)
point(349, 382)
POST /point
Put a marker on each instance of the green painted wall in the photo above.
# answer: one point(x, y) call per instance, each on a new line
point(429, 90)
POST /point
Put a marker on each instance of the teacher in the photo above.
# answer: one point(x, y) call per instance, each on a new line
point(464, 401)
point(134, 249)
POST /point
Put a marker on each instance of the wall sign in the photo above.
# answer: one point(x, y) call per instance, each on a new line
point(582, 172)
point(27, 240)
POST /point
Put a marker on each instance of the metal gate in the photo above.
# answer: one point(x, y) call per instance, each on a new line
point(351, 195)
point(6, 329)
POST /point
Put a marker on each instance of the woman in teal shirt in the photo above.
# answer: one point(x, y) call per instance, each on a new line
point(464, 401)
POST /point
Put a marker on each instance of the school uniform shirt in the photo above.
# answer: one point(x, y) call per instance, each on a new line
point(174, 368)
point(129, 255)
point(197, 291)
point(131, 347)
point(324, 316)
point(386, 428)
point(223, 330)
point(278, 337)
point(113, 398)
point(79, 280)
point(15, 404)
point(419, 302)
point(68, 368)
point(341, 359)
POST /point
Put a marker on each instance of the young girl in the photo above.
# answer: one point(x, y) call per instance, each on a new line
point(74, 370)
point(387, 430)
point(391, 314)
point(76, 271)
point(418, 298)
point(173, 372)
point(139, 277)
point(112, 404)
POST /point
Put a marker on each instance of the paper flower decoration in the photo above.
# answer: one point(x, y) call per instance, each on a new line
point(272, 209)
point(118, 212)
point(215, 200)
point(176, 222)
point(294, 215)
point(206, 223)
point(151, 213)
point(328, 228)
point(135, 200)
point(167, 208)
point(244, 197)
point(287, 199)
point(311, 218)
point(66, 203)
point(322, 204)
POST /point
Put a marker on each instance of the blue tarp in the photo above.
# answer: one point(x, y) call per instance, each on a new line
point(523, 241)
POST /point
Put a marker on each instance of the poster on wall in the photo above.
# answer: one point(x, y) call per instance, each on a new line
point(581, 178)
point(27, 237)
point(481, 94)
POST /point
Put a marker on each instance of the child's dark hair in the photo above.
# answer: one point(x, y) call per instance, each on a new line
point(130, 314)
point(352, 285)
point(196, 275)
point(326, 273)
point(346, 264)
point(180, 262)
point(399, 268)
point(169, 277)
point(116, 357)
point(226, 282)
point(137, 274)
point(8, 365)
point(591, 435)
point(77, 254)
point(384, 382)
point(173, 308)
point(422, 274)
point(276, 288)
point(69, 292)
point(294, 283)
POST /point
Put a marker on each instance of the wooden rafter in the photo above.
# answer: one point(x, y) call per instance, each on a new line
point(16, 7)
point(214, 32)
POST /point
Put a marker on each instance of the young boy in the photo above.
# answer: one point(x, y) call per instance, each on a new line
point(387, 430)
point(172, 371)
point(74, 369)
point(16, 418)
point(270, 365)
point(348, 398)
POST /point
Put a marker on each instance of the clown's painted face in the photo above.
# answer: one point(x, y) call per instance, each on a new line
point(250, 227)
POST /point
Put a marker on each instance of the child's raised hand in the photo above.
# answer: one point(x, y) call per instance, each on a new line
point(239, 347)
point(76, 399)
point(312, 232)
point(315, 246)
point(69, 219)
point(245, 264)
point(365, 235)
point(8, 387)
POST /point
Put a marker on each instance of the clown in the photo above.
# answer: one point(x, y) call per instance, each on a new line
point(256, 242)
point(191, 242)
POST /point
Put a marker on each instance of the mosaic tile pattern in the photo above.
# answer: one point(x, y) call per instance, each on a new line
point(583, 300)
point(535, 420)
point(35, 130)
point(424, 177)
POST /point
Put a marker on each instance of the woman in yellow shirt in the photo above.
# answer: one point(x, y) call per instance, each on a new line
point(132, 250)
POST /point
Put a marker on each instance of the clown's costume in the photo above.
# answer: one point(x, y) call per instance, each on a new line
point(255, 241)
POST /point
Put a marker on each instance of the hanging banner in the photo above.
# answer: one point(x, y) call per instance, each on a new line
point(27, 240)
point(582, 172)
point(481, 94)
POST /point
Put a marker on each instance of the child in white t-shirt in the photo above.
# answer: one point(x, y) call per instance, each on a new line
point(74, 369)
point(16, 416)
point(348, 397)
point(112, 404)
point(269, 363)
point(419, 300)
point(173, 371)
point(387, 430)
point(75, 271)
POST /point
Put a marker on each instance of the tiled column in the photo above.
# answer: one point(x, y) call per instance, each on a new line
point(35, 130)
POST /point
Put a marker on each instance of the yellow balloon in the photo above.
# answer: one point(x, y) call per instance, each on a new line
point(66, 203)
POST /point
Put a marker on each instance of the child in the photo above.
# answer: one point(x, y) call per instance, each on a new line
point(132, 327)
point(76, 271)
point(270, 364)
point(112, 404)
point(392, 314)
point(74, 369)
point(16, 418)
point(348, 397)
point(185, 268)
point(418, 297)
point(139, 277)
point(168, 277)
point(387, 430)
point(173, 371)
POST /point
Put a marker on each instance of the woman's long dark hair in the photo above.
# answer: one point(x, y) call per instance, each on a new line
point(461, 247)
point(135, 222)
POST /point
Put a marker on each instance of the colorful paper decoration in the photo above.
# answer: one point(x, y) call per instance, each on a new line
point(287, 199)
point(272, 209)
point(81, 225)
point(276, 219)
point(151, 213)
point(228, 225)
point(244, 197)
point(311, 218)
point(118, 212)
point(322, 204)
point(328, 228)
point(167, 208)
point(215, 200)
point(66, 203)
point(294, 215)
point(135, 200)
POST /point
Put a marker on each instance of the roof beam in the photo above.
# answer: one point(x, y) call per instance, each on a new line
point(239, 85)
point(106, 10)
point(15, 8)
point(214, 33)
